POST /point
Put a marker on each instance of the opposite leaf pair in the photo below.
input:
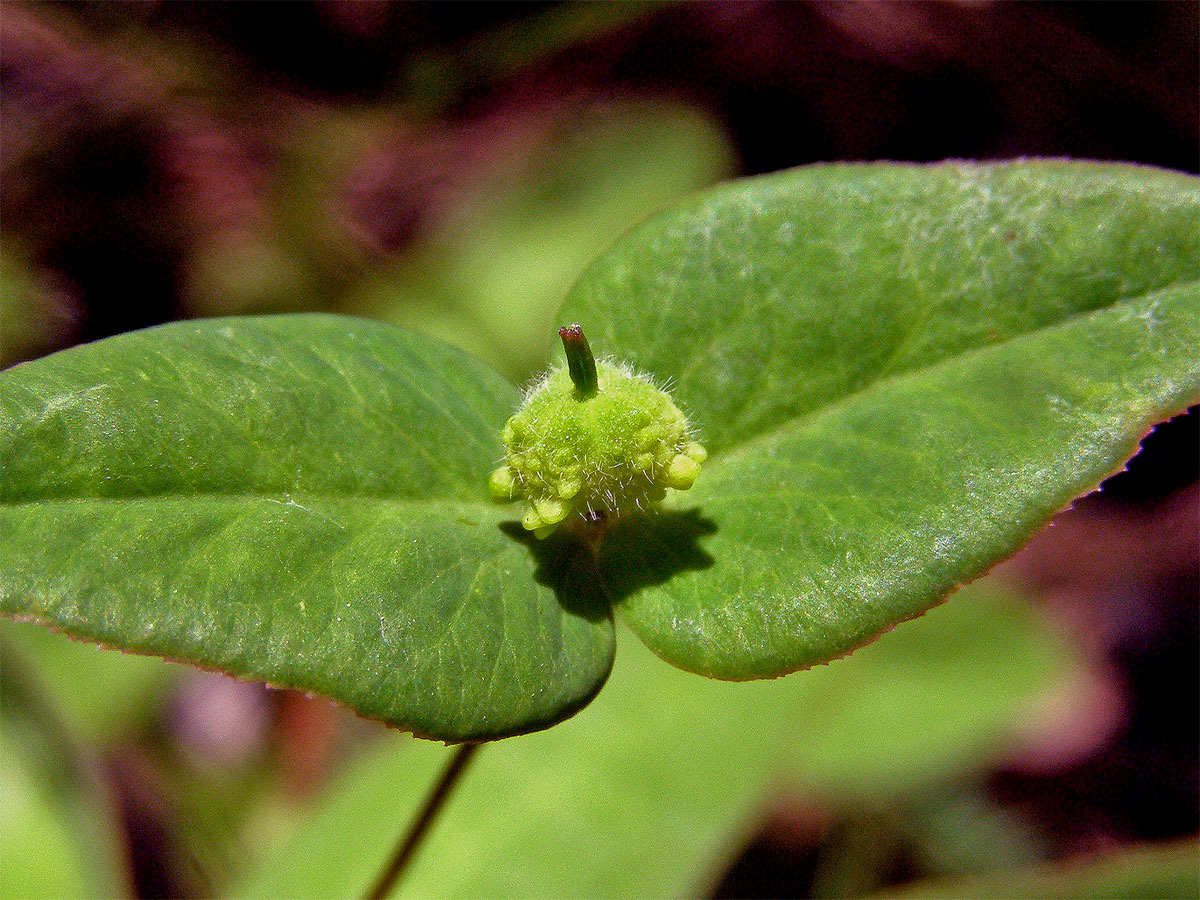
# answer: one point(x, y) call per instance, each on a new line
point(900, 374)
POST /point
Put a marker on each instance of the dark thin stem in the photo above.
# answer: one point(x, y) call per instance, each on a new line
point(407, 847)
point(580, 362)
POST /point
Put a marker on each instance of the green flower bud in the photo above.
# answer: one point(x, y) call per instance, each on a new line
point(594, 438)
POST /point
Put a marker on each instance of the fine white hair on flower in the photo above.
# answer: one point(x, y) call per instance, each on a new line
point(593, 440)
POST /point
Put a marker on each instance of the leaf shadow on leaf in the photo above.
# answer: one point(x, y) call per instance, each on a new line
point(647, 550)
point(567, 566)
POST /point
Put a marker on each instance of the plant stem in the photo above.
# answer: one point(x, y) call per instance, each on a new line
point(408, 845)
point(580, 363)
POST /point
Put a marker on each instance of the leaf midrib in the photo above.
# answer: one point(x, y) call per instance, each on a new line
point(294, 501)
point(721, 458)
point(725, 456)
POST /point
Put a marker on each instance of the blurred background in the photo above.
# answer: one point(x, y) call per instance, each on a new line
point(451, 167)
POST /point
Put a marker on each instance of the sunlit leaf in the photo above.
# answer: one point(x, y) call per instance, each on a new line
point(901, 372)
point(298, 500)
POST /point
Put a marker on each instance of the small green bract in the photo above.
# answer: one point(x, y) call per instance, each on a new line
point(592, 440)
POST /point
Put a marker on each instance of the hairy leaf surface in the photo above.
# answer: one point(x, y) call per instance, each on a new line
point(902, 373)
point(299, 500)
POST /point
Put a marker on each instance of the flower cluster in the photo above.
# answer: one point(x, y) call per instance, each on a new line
point(593, 438)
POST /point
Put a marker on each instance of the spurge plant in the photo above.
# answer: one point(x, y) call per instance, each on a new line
point(899, 374)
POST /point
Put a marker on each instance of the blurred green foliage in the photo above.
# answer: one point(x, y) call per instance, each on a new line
point(41, 852)
point(34, 311)
point(102, 694)
point(491, 280)
point(58, 834)
point(651, 789)
point(1163, 872)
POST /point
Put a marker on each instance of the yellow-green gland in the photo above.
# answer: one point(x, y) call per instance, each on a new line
point(614, 451)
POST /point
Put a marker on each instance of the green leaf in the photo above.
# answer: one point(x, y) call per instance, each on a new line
point(901, 372)
point(1149, 872)
point(299, 500)
point(663, 775)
